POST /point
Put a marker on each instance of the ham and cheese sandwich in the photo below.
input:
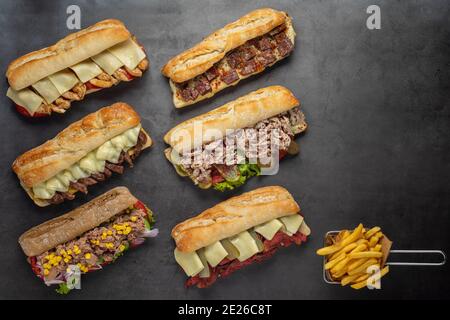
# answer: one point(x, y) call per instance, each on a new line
point(88, 238)
point(85, 153)
point(254, 120)
point(98, 57)
point(239, 50)
point(237, 232)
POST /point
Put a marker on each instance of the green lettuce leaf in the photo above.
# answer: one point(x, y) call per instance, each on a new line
point(246, 171)
point(63, 289)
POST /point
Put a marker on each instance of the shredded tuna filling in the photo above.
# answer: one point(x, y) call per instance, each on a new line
point(249, 58)
point(227, 267)
point(200, 163)
point(82, 184)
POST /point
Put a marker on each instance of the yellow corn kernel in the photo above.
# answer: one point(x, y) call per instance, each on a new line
point(75, 247)
point(121, 248)
point(66, 260)
point(58, 258)
point(119, 232)
point(134, 218)
point(62, 251)
point(69, 251)
point(87, 255)
point(46, 272)
point(47, 257)
point(79, 265)
point(109, 232)
point(46, 266)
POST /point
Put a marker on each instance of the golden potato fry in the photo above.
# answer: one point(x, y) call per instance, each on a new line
point(371, 232)
point(355, 264)
point(332, 263)
point(359, 248)
point(376, 248)
point(363, 277)
point(365, 254)
point(340, 265)
point(355, 235)
point(328, 250)
point(364, 283)
point(344, 250)
point(363, 267)
point(348, 279)
point(373, 241)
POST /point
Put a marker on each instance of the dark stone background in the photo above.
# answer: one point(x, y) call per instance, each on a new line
point(376, 151)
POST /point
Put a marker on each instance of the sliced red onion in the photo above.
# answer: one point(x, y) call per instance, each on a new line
point(54, 281)
point(136, 242)
point(150, 233)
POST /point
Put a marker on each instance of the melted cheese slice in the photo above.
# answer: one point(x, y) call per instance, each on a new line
point(93, 162)
point(129, 53)
point(215, 253)
point(292, 223)
point(47, 90)
point(64, 80)
point(233, 252)
point(107, 61)
point(189, 261)
point(304, 229)
point(86, 70)
point(205, 273)
point(25, 98)
point(245, 244)
point(269, 229)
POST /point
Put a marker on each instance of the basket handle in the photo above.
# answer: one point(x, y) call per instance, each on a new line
point(438, 252)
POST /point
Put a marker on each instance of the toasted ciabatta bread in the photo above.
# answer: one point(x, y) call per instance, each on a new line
point(233, 216)
point(73, 143)
point(243, 112)
point(74, 48)
point(214, 48)
point(76, 222)
point(98, 57)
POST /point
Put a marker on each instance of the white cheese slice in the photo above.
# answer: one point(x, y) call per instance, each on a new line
point(47, 90)
point(245, 244)
point(25, 98)
point(269, 229)
point(64, 80)
point(292, 223)
point(86, 70)
point(205, 273)
point(129, 53)
point(304, 229)
point(107, 61)
point(189, 261)
point(215, 253)
point(40, 191)
point(233, 252)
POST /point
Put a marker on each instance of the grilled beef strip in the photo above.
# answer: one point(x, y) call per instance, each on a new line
point(82, 184)
point(247, 59)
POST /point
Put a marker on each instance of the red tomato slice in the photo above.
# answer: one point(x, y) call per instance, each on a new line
point(140, 205)
point(90, 86)
point(282, 154)
point(23, 111)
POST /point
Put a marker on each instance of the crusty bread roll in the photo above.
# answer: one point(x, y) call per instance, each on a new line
point(233, 216)
point(67, 52)
point(213, 48)
point(76, 222)
point(73, 143)
point(243, 112)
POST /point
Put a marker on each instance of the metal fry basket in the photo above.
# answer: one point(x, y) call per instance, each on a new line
point(327, 277)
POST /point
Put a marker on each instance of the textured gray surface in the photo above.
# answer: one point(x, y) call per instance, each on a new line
point(376, 151)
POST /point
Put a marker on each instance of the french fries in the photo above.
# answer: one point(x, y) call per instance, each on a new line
point(353, 257)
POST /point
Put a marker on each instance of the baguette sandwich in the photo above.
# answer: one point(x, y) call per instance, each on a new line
point(85, 153)
point(87, 238)
point(237, 232)
point(261, 114)
point(98, 57)
point(239, 50)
